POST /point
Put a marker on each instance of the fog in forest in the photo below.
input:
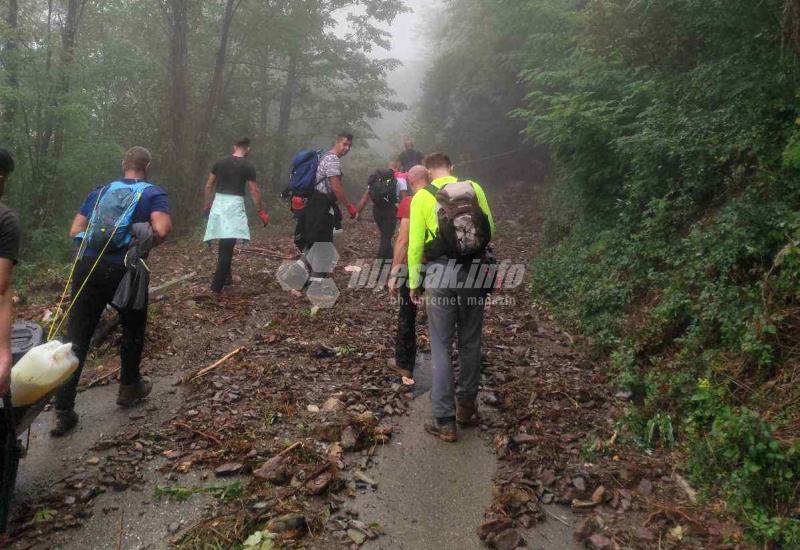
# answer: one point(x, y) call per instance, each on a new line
point(412, 39)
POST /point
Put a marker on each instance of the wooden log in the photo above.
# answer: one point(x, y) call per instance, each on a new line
point(202, 372)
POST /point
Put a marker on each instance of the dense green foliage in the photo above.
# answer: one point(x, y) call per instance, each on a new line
point(81, 80)
point(672, 217)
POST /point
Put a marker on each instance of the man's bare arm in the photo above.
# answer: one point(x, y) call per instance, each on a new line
point(400, 246)
point(363, 202)
point(161, 223)
point(255, 194)
point(338, 190)
point(399, 255)
point(79, 224)
point(211, 183)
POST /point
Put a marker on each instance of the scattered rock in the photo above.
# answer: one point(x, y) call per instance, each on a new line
point(600, 542)
point(333, 405)
point(289, 526)
point(384, 429)
point(228, 469)
point(547, 477)
point(489, 529)
point(683, 484)
point(319, 484)
point(328, 431)
point(357, 536)
point(524, 439)
point(173, 527)
point(579, 483)
point(645, 534)
point(349, 439)
point(645, 487)
point(508, 540)
point(335, 452)
point(312, 409)
point(583, 504)
point(272, 469)
point(363, 478)
point(599, 495)
point(94, 461)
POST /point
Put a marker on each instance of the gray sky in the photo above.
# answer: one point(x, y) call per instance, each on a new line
point(409, 45)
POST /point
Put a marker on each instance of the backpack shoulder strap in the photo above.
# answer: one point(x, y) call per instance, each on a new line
point(432, 189)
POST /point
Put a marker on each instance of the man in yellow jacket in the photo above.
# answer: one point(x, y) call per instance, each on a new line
point(454, 304)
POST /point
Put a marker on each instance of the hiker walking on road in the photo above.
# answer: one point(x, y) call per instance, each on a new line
point(9, 254)
point(227, 219)
point(405, 350)
point(386, 188)
point(322, 212)
point(105, 227)
point(451, 226)
point(410, 157)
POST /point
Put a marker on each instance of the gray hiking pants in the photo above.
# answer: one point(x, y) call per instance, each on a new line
point(454, 312)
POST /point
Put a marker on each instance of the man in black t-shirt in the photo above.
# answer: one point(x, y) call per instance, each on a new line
point(410, 157)
point(9, 254)
point(227, 219)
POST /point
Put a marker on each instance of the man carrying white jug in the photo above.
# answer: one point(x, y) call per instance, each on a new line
point(105, 226)
point(9, 253)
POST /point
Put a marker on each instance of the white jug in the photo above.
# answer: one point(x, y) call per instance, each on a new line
point(40, 371)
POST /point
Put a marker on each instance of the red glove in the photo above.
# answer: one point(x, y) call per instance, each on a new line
point(298, 203)
point(264, 217)
point(352, 210)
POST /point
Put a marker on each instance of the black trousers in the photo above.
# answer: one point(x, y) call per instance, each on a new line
point(319, 220)
point(84, 317)
point(300, 229)
point(405, 350)
point(224, 260)
point(322, 217)
point(386, 220)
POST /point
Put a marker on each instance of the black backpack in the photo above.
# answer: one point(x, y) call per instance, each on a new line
point(383, 188)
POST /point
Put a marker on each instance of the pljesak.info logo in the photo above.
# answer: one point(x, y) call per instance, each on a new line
point(311, 275)
point(450, 274)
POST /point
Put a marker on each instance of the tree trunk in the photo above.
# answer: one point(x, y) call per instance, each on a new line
point(178, 171)
point(215, 92)
point(12, 19)
point(284, 121)
point(69, 37)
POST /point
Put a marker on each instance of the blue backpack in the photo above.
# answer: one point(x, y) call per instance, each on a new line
point(304, 173)
point(110, 222)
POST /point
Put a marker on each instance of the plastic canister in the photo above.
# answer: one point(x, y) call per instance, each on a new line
point(40, 371)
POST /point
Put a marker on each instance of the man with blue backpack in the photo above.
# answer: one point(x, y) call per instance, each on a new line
point(104, 227)
point(317, 191)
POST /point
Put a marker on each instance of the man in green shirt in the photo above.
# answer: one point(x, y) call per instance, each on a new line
point(454, 306)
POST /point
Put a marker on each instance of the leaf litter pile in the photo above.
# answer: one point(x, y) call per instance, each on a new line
point(278, 411)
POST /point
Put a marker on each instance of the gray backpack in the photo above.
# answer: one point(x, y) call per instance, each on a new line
point(464, 231)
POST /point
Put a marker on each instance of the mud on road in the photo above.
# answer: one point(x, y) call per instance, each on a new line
point(282, 436)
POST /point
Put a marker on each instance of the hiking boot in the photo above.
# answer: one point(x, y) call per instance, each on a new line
point(130, 394)
point(443, 428)
point(467, 412)
point(63, 422)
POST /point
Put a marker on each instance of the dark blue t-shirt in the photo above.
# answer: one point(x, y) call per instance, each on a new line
point(154, 199)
